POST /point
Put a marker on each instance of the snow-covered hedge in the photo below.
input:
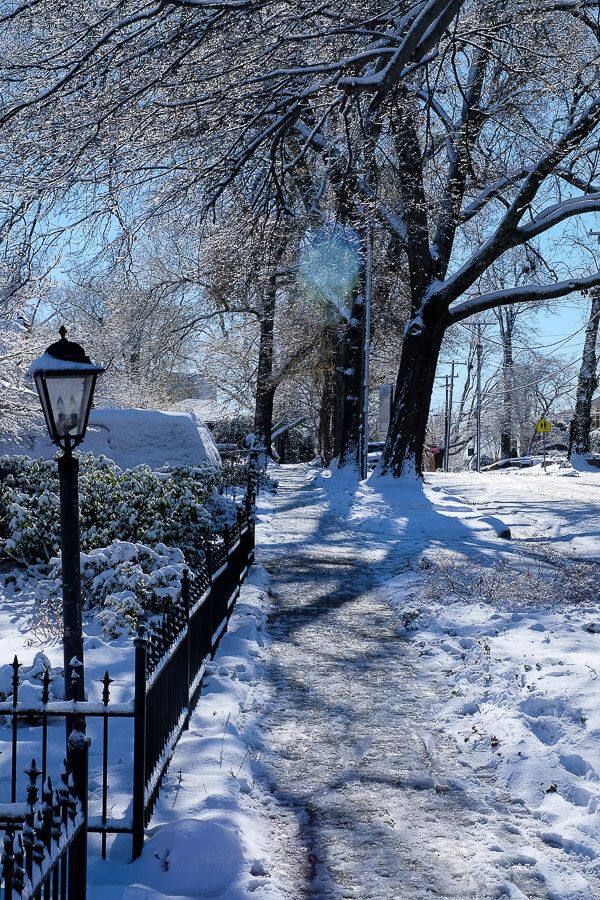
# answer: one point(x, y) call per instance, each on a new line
point(121, 583)
point(176, 507)
point(31, 679)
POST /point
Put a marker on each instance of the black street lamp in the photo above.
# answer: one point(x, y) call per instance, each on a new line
point(65, 380)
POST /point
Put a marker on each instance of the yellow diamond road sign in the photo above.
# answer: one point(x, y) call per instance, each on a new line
point(543, 426)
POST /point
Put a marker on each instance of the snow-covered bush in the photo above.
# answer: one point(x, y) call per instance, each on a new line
point(31, 679)
point(556, 578)
point(595, 440)
point(123, 583)
point(175, 506)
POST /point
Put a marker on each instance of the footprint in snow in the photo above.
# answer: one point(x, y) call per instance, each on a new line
point(576, 764)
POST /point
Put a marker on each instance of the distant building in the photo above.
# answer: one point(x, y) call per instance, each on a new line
point(566, 415)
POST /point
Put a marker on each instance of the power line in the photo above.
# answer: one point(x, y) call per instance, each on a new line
point(555, 344)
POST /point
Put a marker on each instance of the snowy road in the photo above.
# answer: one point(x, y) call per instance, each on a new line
point(350, 745)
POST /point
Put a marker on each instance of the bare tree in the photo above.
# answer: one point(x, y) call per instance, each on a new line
point(462, 130)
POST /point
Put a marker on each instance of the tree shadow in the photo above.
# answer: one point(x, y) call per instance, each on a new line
point(335, 653)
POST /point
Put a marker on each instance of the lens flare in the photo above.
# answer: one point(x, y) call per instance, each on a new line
point(329, 266)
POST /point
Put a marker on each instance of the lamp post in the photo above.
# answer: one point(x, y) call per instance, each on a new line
point(65, 380)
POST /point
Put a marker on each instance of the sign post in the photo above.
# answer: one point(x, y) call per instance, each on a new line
point(543, 427)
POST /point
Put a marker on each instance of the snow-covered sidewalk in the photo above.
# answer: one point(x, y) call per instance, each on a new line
point(417, 750)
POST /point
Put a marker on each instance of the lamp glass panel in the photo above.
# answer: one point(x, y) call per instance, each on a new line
point(69, 398)
point(39, 383)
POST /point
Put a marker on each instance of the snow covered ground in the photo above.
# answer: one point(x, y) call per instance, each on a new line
point(561, 508)
point(407, 705)
point(452, 749)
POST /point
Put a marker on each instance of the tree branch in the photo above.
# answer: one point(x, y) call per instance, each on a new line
point(527, 293)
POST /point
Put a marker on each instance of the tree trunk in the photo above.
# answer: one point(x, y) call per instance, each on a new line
point(327, 419)
point(403, 450)
point(349, 383)
point(506, 321)
point(265, 391)
point(349, 380)
point(579, 437)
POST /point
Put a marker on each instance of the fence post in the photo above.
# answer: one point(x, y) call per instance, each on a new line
point(185, 596)
point(139, 744)
point(208, 555)
point(78, 745)
point(251, 536)
point(15, 699)
point(226, 541)
point(209, 571)
point(241, 551)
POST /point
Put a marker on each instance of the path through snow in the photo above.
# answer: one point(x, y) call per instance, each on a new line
point(385, 806)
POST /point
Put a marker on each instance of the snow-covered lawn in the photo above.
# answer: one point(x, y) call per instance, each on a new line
point(511, 634)
point(561, 508)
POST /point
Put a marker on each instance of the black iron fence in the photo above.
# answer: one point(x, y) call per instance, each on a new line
point(44, 851)
point(234, 470)
point(169, 666)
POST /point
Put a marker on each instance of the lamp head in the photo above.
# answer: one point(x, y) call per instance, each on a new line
point(65, 379)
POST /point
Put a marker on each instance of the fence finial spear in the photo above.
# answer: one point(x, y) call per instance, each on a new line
point(19, 872)
point(16, 665)
point(8, 859)
point(106, 682)
point(57, 821)
point(39, 848)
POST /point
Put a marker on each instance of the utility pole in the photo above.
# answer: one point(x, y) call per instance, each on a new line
point(544, 451)
point(446, 424)
point(479, 356)
point(364, 456)
point(449, 397)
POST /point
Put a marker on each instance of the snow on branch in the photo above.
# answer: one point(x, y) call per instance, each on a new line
point(430, 21)
point(558, 212)
point(527, 293)
point(549, 161)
